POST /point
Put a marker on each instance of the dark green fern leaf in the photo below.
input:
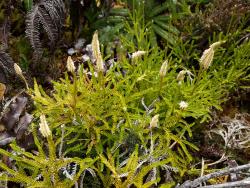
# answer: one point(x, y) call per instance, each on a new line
point(33, 31)
point(6, 63)
point(49, 16)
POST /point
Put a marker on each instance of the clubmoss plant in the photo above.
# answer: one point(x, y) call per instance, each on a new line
point(127, 125)
point(109, 118)
point(43, 168)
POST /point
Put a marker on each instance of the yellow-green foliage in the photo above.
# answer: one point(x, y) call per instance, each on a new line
point(106, 122)
point(41, 169)
point(108, 115)
point(122, 126)
point(112, 112)
point(127, 123)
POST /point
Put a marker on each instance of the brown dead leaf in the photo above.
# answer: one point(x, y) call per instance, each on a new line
point(2, 90)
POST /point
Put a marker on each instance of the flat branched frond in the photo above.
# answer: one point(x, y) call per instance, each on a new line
point(30, 166)
point(6, 63)
point(48, 15)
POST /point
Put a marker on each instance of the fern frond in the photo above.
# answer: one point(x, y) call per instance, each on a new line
point(48, 15)
point(33, 31)
point(48, 21)
point(6, 63)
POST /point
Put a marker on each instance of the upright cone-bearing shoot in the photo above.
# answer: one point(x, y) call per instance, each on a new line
point(44, 127)
point(208, 55)
point(97, 53)
point(70, 65)
point(163, 70)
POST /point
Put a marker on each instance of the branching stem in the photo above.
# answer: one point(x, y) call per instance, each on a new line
point(196, 182)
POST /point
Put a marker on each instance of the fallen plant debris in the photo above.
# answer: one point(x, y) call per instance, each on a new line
point(15, 122)
point(198, 181)
point(234, 131)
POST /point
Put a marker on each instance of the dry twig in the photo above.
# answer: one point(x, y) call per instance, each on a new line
point(198, 181)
